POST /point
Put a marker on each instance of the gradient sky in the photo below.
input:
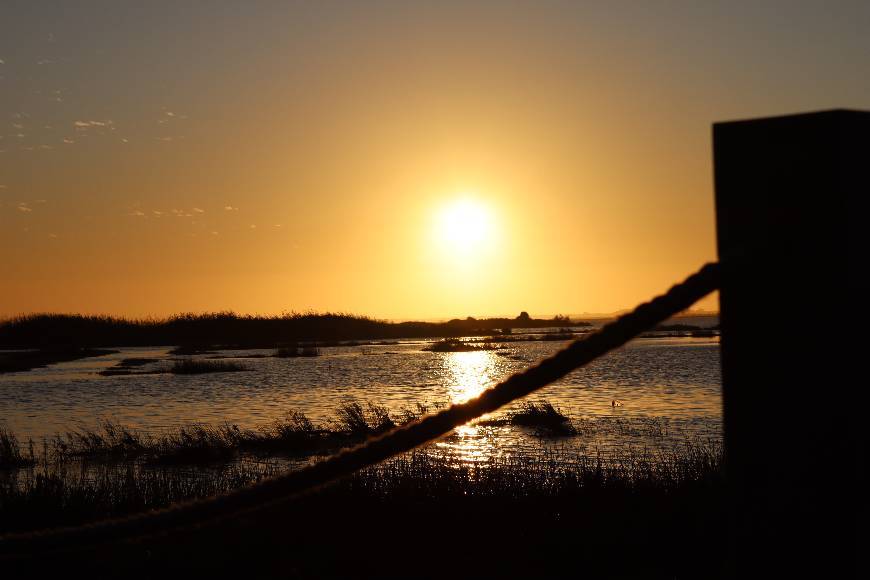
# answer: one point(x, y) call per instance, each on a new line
point(158, 157)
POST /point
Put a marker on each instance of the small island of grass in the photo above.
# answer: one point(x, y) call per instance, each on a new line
point(188, 366)
point(455, 345)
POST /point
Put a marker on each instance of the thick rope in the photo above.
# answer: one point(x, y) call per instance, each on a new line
point(261, 495)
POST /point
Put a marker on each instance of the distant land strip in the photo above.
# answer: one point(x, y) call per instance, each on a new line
point(242, 331)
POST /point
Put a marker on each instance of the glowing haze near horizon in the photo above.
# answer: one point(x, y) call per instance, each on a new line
point(394, 159)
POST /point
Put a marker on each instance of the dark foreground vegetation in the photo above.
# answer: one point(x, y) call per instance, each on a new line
point(194, 331)
point(426, 514)
point(418, 515)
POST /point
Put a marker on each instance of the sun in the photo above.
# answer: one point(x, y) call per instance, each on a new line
point(464, 226)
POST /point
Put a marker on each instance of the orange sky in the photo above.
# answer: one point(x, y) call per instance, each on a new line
point(165, 158)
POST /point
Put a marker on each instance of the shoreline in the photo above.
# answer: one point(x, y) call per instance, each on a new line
point(13, 361)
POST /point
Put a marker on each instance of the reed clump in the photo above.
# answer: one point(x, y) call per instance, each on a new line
point(189, 366)
point(455, 345)
point(543, 416)
point(292, 350)
point(11, 454)
point(357, 420)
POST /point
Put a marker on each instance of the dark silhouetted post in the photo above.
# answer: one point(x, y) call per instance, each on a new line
point(792, 218)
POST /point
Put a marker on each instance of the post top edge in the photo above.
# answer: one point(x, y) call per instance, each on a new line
point(821, 114)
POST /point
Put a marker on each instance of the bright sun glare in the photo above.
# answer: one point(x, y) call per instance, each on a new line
point(465, 226)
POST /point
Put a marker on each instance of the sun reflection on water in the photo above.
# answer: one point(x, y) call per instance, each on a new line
point(467, 375)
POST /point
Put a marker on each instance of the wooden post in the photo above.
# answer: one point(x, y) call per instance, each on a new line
point(792, 223)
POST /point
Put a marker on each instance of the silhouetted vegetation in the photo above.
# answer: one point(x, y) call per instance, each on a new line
point(128, 366)
point(188, 350)
point(631, 506)
point(453, 345)
point(676, 327)
point(293, 434)
point(132, 487)
point(16, 361)
point(10, 451)
point(544, 417)
point(357, 421)
point(189, 366)
point(705, 333)
point(197, 332)
point(295, 350)
point(640, 515)
point(562, 335)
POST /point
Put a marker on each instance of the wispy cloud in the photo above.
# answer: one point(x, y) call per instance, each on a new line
point(2, 61)
point(157, 213)
point(198, 210)
point(230, 208)
point(52, 236)
point(89, 124)
point(22, 207)
point(253, 226)
point(137, 213)
point(68, 141)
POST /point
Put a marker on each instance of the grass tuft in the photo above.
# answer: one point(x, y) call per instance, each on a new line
point(10, 451)
point(456, 345)
point(357, 421)
point(292, 350)
point(189, 366)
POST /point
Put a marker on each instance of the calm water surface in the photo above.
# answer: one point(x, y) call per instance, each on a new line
point(670, 389)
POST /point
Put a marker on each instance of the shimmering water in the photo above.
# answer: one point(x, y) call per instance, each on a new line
point(670, 389)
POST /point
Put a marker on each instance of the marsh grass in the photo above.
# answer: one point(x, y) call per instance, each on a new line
point(293, 434)
point(128, 366)
point(556, 336)
point(542, 415)
point(44, 496)
point(455, 345)
point(11, 455)
point(292, 350)
point(357, 420)
point(633, 511)
point(189, 366)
